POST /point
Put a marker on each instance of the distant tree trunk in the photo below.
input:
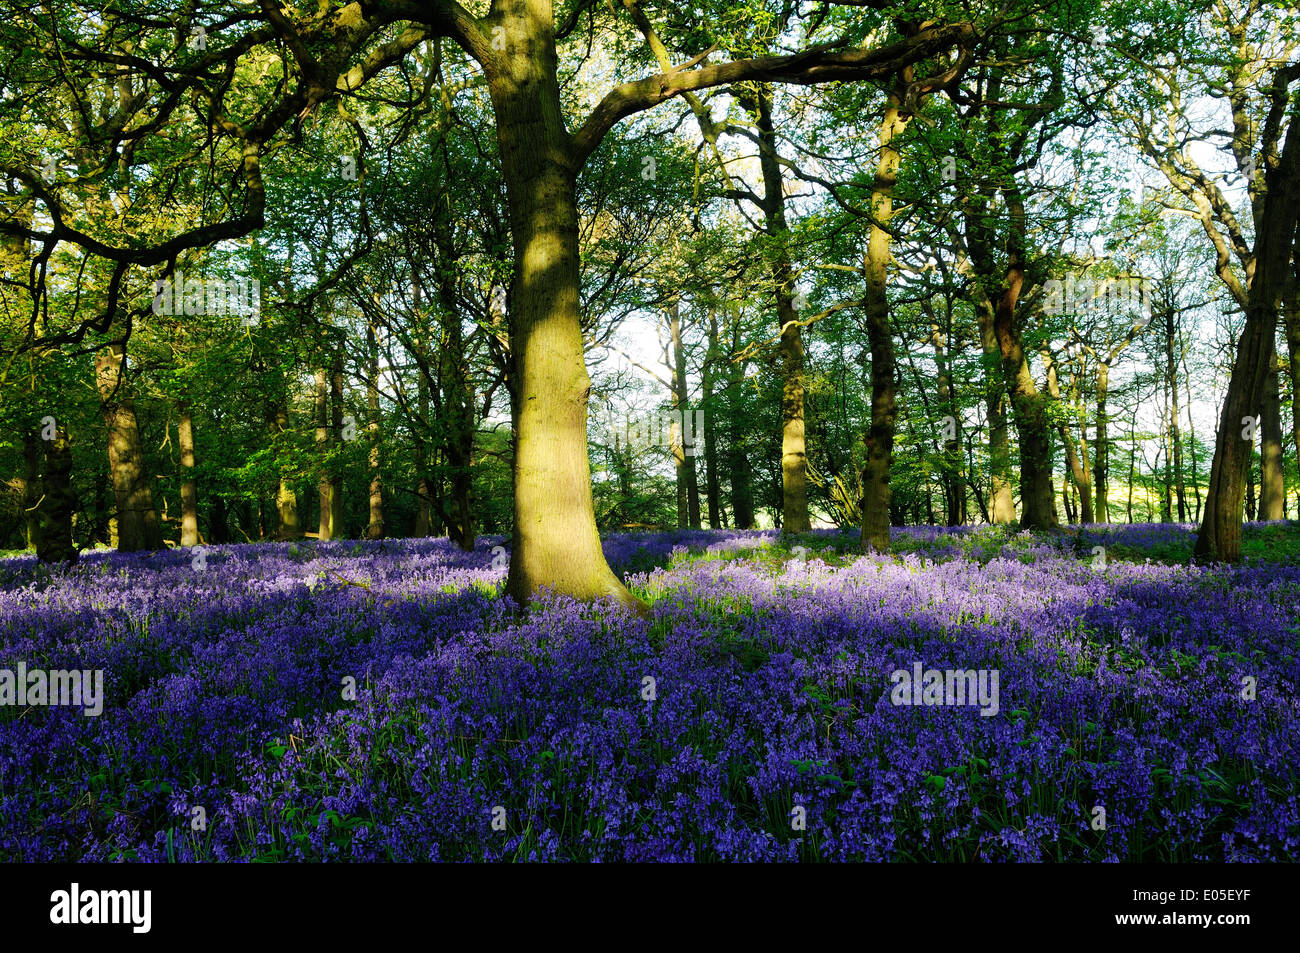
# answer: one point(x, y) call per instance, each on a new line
point(458, 390)
point(688, 489)
point(879, 438)
point(1175, 413)
point(375, 528)
point(189, 490)
point(286, 499)
point(336, 477)
point(710, 438)
point(954, 490)
point(742, 471)
point(1066, 497)
point(1101, 446)
point(1250, 489)
point(58, 503)
point(1075, 467)
point(1191, 438)
point(137, 521)
point(326, 526)
point(220, 519)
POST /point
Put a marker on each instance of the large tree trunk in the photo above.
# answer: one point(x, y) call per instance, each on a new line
point(1220, 533)
point(189, 490)
point(137, 521)
point(555, 541)
point(879, 438)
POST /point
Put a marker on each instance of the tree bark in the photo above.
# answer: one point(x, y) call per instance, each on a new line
point(1175, 413)
point(555, 541)
point(1272, 485)
point(336, 419)
point(286, 499)
point(1220, 534)
point(189, 490)
point(375, 527)
point(1028, 405)
point(879, 438)
point(325, 529)
point(794, 461)
point(58, 504)
point(1002, 504)
point(1075, 468)
point(137, 520)
point(711, 491)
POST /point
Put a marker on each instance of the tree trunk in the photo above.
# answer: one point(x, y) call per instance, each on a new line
point(1002, 504)
point(375, 528)
point(1075, 466)
point(954, 490)
point(137, 521)
point(458, 393)
point(794, 464)
point(879, 439)
point(1175, 414)
point(555, 542)
point(688, 490)
point(189, 490)
point(336, 419)
point(286, 499)
point(326, 526)
point(59, 502)
point(710, 440)
point(1220, 533)
point(1291, 324)
point(1272, 485)
point(1101, 446)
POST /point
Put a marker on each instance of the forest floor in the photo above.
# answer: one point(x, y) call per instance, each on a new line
point(382, 700)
